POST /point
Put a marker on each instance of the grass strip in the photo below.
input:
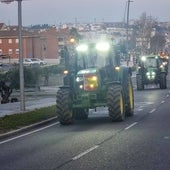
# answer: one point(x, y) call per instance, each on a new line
point(15, 121)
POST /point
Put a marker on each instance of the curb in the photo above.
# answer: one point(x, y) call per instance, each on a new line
point(26, 128)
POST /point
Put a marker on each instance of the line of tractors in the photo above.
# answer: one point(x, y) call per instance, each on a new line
point(94, 78)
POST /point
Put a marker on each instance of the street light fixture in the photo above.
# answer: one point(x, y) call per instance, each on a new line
point(21, 69)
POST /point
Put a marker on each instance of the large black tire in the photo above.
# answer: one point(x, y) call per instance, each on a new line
point(63, 107)
point(129, 97)
point(115, 103)
point(139, 82)
point(80, 114)
point(163, 81)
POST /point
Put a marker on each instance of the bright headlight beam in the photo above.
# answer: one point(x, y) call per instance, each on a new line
point(82, 48)
point(102, 46)
point(143, 58)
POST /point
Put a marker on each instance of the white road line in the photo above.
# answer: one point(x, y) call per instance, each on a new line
point(133, 124)
point(167, 95)
point(139, 110)
point(162, 101)
point(153, 110)
point(85, 152)
point(29, 133)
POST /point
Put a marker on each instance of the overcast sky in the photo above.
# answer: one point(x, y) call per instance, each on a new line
point(63, 11)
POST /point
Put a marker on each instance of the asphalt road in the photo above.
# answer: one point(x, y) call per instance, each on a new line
point(142, 142)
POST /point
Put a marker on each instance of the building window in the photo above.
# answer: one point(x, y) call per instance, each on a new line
point(0, 51)
point(0, 41)
point(17, 51)
point(10, 41)
point(10, 51)
point(17, 40)
point(60, 39)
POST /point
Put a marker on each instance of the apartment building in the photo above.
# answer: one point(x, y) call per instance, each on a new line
point(36, 44)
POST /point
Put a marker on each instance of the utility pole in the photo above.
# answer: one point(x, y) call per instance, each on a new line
point(127, 27)
point(21, 69)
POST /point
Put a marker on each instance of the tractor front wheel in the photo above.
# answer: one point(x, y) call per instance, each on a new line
point(115, 103)
point(139, 82)
point(163, 81)
point(63, 106)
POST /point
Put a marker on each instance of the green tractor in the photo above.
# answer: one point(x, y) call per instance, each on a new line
point(151, 70)
point(94, 80)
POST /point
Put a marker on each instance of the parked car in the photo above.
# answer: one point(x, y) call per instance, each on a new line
point(27, 62)
point(39, 61)
point(33, 61)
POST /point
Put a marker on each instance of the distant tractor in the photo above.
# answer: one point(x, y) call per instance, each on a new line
point(93, 79)
point(151, 70)
point(164, 57)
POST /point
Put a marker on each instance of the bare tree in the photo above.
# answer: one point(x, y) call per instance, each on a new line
point(145, 31)
point(158, 42)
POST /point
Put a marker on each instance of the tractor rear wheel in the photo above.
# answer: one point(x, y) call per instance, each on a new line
point(63, 106)
point(139, 82)
point(163, 81)
point(115, 103)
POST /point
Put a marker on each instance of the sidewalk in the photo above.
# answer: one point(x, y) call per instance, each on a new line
point(33, 100)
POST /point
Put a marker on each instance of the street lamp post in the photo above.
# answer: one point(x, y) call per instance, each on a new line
point(21, 69)
point(127, 27)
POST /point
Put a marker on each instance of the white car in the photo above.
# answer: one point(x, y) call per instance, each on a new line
point(38, 61)
point(27, 61)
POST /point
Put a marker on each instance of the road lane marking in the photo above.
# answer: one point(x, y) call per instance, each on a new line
point(85, 152)
point(133, 124)
point(29, 133)
point(162, 101)
point(153, 110)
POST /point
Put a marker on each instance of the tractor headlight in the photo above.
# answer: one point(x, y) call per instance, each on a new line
point(65, 72)
point(148, 74)
point(117, 68)
point(82, 48)
point(103, 46)
point(161, 66)
point(79, 79)
point(164, 63)
point(143, 58)
point(153, 73)
point(90, 82)
point(81, 86)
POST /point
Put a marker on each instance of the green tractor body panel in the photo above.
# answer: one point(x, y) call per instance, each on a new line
point(94, 79)
point(151, 70)
point(91, 88)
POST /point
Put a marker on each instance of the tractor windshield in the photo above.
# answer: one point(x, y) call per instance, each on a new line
point(94, 55)
point(149, 61)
